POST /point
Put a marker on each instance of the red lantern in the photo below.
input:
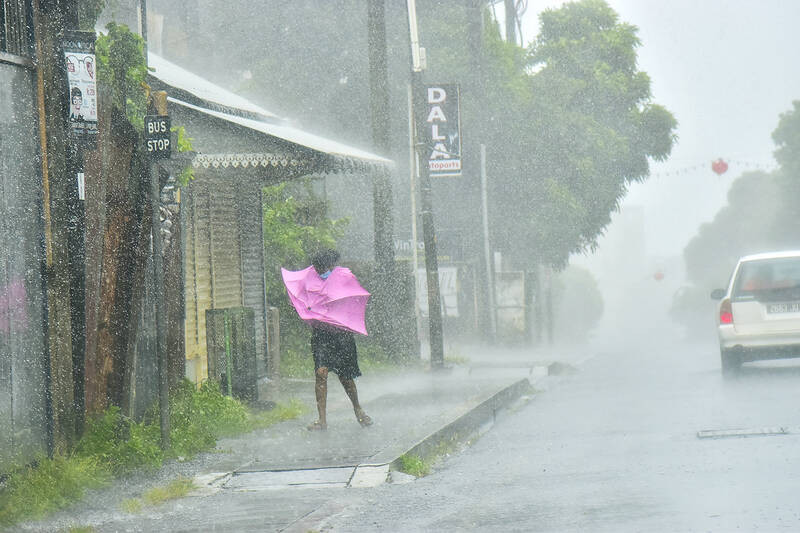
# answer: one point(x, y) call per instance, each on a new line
point(658, 276)
point(719, 166)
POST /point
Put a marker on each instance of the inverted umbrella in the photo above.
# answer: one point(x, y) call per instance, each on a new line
point(339, 300)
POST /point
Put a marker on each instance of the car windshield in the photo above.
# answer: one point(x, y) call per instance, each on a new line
point(768, 280)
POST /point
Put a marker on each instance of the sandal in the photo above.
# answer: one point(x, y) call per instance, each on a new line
point(363, 418)
point(317, 426)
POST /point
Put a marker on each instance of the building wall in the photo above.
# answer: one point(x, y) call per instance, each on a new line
point(22, 345)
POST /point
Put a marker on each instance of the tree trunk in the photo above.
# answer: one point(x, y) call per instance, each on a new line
point(124, 249)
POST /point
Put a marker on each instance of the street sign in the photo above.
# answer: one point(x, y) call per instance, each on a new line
point(440, 130)
point(157, 136)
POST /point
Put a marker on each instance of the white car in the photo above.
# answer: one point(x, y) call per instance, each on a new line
point(759, 312)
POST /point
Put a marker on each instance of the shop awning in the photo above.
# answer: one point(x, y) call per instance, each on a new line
point(199, 95)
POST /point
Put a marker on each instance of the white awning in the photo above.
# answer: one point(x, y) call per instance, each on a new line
point(182, 79)
point(212, 100)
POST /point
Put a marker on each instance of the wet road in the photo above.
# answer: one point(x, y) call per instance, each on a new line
point(615, 448)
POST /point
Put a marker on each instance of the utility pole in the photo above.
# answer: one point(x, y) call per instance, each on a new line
point(50, 20)
point(158, 105)
point(386, 307)
point(511, 21)
point(429, 234)
point(379, 113)
point(487, 249)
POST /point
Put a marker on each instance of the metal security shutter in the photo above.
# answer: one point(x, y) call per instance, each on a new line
point(198, 283)
point(226, 256)
point(213, 266)
point(250, 220)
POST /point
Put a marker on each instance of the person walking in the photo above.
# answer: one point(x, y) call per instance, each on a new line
point(334, 350)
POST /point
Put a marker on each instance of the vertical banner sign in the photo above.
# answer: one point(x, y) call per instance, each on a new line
point(440, 130)
point(81, 78)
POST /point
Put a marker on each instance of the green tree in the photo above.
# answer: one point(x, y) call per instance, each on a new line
point(295, 226)
point(569, 123)
point(761, 215)
point(578, 304)
point(591, 128)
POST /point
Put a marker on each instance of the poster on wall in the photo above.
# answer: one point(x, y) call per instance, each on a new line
point(448, 290)
point(79, 60)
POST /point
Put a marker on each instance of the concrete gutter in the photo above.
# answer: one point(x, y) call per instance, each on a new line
point(474, 422)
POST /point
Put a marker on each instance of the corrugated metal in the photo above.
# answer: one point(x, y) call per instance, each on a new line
point(250, 220)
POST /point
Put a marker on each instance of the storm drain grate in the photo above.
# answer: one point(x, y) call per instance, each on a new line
point(731, 433)
point(255, 481)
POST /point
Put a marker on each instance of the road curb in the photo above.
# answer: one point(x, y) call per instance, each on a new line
point(464, 427)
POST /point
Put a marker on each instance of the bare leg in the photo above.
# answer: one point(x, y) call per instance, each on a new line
point(350, 388)
point(321, 392)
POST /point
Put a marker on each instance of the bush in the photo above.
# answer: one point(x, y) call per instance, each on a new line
point(49, 484)
point(121, 444)
point(114, 445)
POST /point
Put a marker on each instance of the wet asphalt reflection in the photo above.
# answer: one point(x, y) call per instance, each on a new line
point(616, 448)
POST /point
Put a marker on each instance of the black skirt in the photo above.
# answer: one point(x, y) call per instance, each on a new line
point(335, 350)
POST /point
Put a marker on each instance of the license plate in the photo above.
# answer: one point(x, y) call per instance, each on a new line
point(793, 307)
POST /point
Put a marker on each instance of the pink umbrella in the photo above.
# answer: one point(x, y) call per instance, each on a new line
point(339, 300)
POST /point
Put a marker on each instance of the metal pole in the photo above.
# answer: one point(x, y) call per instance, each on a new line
point(487, 249)
point(428, 231)
point(429, 238)
point(413, 192)
point(160, 103)
point(158, 289)
point(143, 25)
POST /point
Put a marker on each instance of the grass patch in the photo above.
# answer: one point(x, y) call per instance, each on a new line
point(420, 467)
point(33, 491)
point(453, 356)
point(82, 529)
point(280, 413)
point(132, 505)
point(413, 465)
point(177, 488)
point(114, 446)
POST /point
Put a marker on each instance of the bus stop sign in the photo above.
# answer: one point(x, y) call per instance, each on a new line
point(157, 136)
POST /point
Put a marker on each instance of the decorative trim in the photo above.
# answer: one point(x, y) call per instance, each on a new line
point(314, 163)
point(253, 161)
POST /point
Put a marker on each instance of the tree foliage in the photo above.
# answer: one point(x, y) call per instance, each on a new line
point(578, 304)
point(760, 216)
point(589, 130)
point(761, 213)
point(295, 226)
point(121, 67)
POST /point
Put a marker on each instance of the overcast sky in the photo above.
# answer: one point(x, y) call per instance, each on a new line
point(726, 69)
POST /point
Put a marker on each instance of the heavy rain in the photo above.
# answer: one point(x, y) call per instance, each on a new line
point(421, 265)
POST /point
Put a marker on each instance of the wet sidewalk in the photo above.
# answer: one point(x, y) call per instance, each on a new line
point(255, 482)
point(411, 411)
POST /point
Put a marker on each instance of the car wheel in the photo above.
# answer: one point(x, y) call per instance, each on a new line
point(731, 363)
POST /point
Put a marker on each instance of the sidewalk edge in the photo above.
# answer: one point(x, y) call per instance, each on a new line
point(462, 428)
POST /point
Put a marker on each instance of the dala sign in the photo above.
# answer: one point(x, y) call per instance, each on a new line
point(441, 131)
